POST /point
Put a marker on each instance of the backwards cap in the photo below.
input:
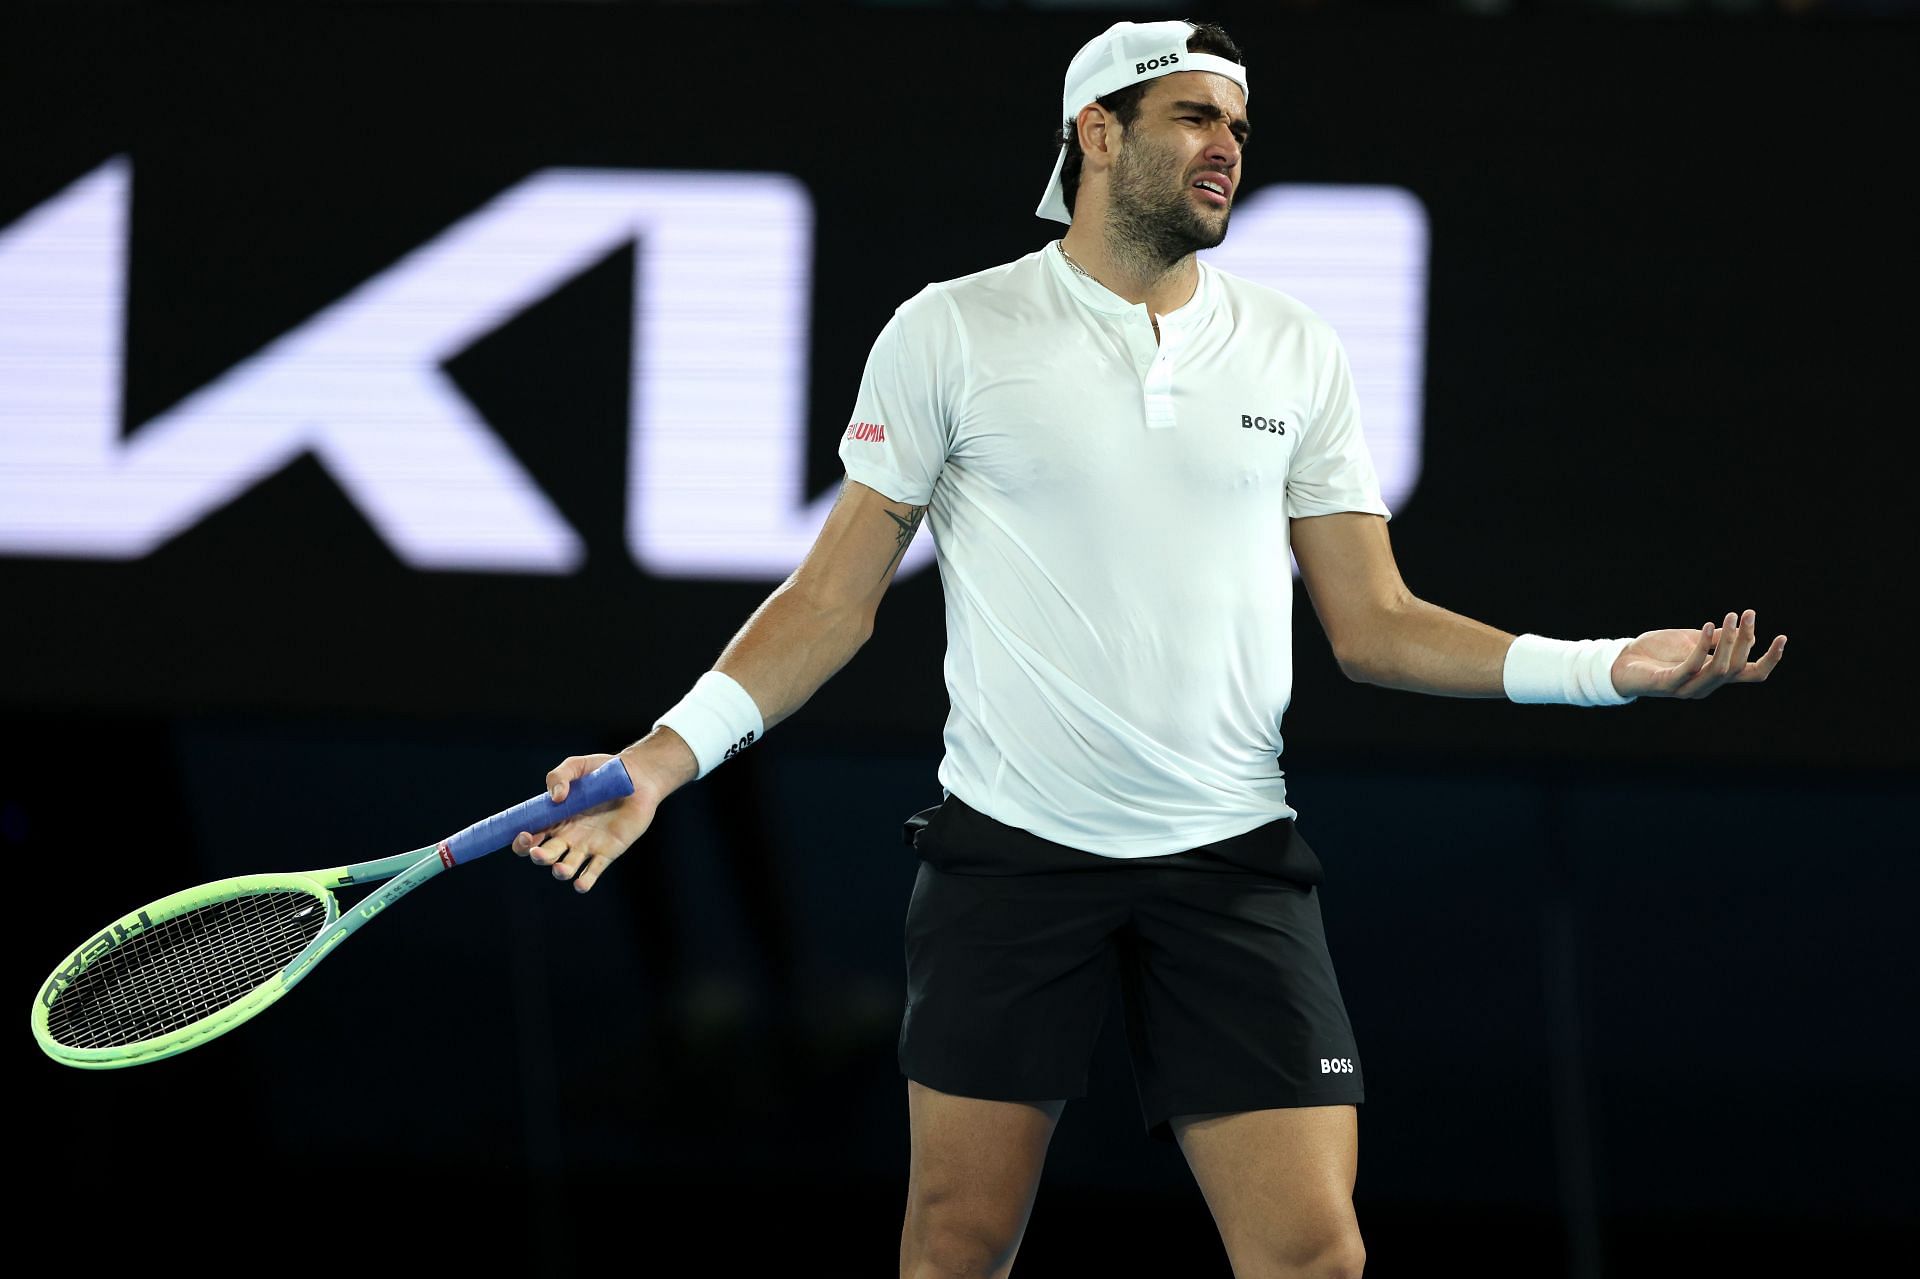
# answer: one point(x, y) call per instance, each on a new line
point(1125, 53)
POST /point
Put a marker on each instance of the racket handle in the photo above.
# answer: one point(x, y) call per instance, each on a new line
point(607, 782)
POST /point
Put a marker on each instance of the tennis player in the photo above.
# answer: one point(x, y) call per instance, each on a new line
point(1118, 445)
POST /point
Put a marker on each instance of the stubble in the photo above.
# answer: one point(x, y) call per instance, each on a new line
point(1152, 221)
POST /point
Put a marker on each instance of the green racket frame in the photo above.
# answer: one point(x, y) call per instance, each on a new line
point(407, 871)
point(418, 866)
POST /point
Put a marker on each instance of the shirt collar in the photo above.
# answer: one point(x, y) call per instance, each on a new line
point(1100, 298)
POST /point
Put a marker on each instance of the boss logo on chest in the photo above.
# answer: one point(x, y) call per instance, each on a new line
point(1272, 425)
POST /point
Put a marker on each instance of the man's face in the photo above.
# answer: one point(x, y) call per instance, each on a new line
point(1187, 137)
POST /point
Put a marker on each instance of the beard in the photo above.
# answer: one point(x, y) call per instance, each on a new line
point(1151, 217)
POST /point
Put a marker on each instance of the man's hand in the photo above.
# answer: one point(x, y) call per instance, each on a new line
point(583, 847)
point(1694, 663)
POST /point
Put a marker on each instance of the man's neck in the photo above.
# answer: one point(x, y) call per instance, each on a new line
point(1163, 288)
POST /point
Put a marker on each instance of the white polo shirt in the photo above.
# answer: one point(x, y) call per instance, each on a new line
point(1110, 519)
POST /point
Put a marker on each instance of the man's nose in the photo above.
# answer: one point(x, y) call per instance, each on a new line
point(1223, 148)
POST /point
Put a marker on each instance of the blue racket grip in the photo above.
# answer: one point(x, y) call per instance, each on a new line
point(607, 782)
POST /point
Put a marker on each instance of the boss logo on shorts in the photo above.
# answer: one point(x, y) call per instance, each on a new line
point(1166, 60)
point(1272, 425)
point(737, 747)
point(1336, 1065)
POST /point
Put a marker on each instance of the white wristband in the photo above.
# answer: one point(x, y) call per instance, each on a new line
point(1569, 672)
point(717, 718)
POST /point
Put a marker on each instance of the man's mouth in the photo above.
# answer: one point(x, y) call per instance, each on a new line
point(1213, 191)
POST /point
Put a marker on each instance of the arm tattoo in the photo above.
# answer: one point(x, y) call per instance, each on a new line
point(905, 533)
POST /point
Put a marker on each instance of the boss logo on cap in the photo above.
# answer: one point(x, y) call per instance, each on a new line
point(1166, 60)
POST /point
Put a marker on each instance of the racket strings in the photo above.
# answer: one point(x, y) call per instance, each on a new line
point(184, 969)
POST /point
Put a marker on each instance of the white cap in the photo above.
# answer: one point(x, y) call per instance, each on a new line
point(1125, 53)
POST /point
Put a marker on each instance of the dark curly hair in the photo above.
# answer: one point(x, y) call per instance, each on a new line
point(1207, 37)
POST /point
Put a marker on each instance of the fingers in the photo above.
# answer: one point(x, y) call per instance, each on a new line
point(1712, 672)
point(587, 877)
point(561, 779)
point(571, 860)
point(580, 866)
point(570, 864)
point(1731, 645)
point(1747, 634)
point(1742, 644)
point(581, 849)
point(1759, 670)
point(1696, 661)
point(1732, 641)
point(558, 851)
point(552, 851)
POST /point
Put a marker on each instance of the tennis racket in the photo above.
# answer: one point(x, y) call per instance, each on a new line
point(190, 967)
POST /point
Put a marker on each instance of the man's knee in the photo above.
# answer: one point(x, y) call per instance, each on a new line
point(974, 1169)
point(1334, 1255)
point(972, 1211)
point(961, 1225)
point(957, 1248)
point(1343, 1258)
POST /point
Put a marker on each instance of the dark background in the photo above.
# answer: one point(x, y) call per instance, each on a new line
point(1634, 987)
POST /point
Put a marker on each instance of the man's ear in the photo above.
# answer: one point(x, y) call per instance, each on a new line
point(1098, 128)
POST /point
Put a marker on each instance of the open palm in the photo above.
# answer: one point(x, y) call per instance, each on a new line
point(1686, 663)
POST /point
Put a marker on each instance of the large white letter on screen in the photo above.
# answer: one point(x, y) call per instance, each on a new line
point(360, 385)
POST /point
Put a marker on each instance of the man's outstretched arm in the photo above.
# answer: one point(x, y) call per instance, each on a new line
point(1382, 634)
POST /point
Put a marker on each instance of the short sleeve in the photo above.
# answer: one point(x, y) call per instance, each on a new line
point(902, 427)
point(1331, 469)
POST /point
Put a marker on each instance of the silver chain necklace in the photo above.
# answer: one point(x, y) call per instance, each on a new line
point(1062, 244)
point(1070, 262)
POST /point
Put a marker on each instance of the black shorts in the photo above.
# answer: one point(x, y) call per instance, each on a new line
point(1014, 943)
